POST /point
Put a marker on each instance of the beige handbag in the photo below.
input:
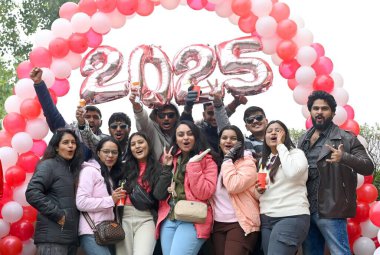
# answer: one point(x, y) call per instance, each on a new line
point(190, 211)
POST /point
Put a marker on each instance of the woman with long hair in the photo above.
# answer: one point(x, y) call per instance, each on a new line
point(97, 193)
point(236, 210)
point(139, 215)
point(51, 191)
point(284, 207)
point(194, 178)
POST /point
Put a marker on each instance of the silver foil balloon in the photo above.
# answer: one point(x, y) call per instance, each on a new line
point(150, 54)
point(231, 62)
point(204, 62)
point(100, 66)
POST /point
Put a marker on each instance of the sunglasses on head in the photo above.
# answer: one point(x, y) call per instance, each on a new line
point(162, 115)
point(122, 126)
point(251, 119)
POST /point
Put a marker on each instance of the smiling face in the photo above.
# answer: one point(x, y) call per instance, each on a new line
point(228, 139)
point(321, 114)
point(166, 119)
point(139, 148)
point(271, 135)
point(209, 116)
point(256, 124)
point(108, 154)
point(67, 146)
point(184, 138)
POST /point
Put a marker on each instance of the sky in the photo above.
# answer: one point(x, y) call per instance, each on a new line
point(346, 29)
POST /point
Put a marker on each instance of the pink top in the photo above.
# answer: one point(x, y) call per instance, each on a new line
point(92, 197)
point(223, 208)
point(145, 185)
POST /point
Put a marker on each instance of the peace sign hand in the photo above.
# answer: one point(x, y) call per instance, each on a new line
point(167, 157)
point(336, 155)
point(199, 157)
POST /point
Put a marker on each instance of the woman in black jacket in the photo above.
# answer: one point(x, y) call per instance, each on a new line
point(52, 192)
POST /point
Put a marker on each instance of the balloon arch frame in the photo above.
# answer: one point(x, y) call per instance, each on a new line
point(82, 26)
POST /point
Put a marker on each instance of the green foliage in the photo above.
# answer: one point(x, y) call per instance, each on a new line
point(295, 134)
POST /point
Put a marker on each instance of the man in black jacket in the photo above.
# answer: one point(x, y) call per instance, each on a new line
point(335, 157)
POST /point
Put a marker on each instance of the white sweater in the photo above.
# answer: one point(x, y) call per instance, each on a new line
point(287, 196)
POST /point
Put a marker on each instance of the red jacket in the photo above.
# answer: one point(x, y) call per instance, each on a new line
point(200, 185)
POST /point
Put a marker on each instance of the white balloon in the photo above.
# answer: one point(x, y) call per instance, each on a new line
point(276, 59)
point(24, 89)
point(19, 194)
point(28, 247)
point(170, 4)
point(22, 142)
point(306, 56)
point(299, 21)
point(369, 229)
point(8, 157)
point(223, 9)
point(37, 128)
point(12, 104)
point(340, 115)
point(360, 180)
point(338, 79)
point(80, 22)
point(117, 19)
point(100, 23)
point(73, 59)
point(234, 19)
point(48, 77)
point(270, 44)
point(12, 212)
point(340, 95)
point(42, 38)
point(61, 68)
point(305, 112)
point(266, 26)
point(304, 37)
point(364, 246)
point(4, 228)
point(62, 28)
point(301, 94)
point(261, 7)
point(305, 75)
point(377, 251)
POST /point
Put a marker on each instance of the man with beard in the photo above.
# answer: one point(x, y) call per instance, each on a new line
point(119, 127)
point(335, 157)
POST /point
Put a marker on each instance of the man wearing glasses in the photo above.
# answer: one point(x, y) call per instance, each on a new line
point(255, 122)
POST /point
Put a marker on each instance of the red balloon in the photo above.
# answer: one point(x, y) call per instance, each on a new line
point(374, 213)
point(22, 229)
point(351, 125)
point(78, 43)
point(350, 111)
point(368, 179)
point(308, 123)
point(53, 95)
point(94, 39)
point(39, 147)
point(28, 161)
point(10, 245)
point(40, 57)
point(323, 82)
point(60, 87)
point(15, 176)
point(87, 6)
point(247, 24)
point(292, 83)
point(29, 214)
point(145, 7)
point(127, 7)
point(362, 211)
point(30, 108)
point(323, 65)
point(106, 5)
point(288, 69)
point(59, 47)
point(23, 69)
point(319, 49)
point(287, 29)
point(280, 11)
point(14, 123)
point(241, 7)
point(353, 229)
point(287, 50)
point(5, 139)
point(367, 193)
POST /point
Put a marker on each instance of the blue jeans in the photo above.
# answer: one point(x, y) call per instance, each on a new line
point(89, 245)
point(331, 231)
point(179, 237)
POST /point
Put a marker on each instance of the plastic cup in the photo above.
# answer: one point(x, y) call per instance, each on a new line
point(261, 177)
point(121, 202)
point(136, 86)
point(198, 89)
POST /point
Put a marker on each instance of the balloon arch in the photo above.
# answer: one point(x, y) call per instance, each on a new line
point(82, 26)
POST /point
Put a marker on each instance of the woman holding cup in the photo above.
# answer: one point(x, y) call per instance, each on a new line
point(284, 207)
point(236, 210)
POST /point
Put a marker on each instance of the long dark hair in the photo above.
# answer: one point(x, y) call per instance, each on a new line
point(115, 169)
point(131, 169)
point(267, 151)
point(51, 150)
point(240, 138)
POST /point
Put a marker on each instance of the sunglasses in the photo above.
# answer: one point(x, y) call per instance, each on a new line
point(251, 119)
point(162, 115)
point(122, 126)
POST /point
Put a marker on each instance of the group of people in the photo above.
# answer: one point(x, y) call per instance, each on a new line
point(309, 191)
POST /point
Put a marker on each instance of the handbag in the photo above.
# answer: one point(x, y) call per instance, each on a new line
point(106, 232)
point(190, 211)
point(141, 199)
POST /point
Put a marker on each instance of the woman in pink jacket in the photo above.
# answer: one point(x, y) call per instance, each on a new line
point(236, 211)
point(95, 193)
point(194, 178)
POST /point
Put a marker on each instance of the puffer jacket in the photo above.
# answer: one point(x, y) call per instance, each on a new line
point(51, 191)
point(337, 181)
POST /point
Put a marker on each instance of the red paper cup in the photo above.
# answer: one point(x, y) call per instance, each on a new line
point(121, 202)
point(198, 89)
point(261, 176)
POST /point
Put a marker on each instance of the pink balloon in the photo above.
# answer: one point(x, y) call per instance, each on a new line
point(94, 39)
point(106, 5)
point(323, 65)
point(67, 10)
point(61, 87)
point(323, 82)
point(40, 57)
point(39, 147)
point(318, 48)
point(350, 111)
point(58, 47)
point(78, 43)
point(87, 6)
point(145, 7)
point(292, 83)
point(127, 7)
point(23, 69)
point(14, 123)
point(241, 7)
point(280, 11)
point(288, 69)
point(247, 24)
point(374, 213)
point(197, 4)
point(308, 123)
point(210, 7)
